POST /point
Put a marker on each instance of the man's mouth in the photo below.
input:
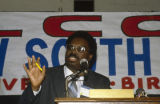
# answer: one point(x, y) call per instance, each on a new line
point(72, 58)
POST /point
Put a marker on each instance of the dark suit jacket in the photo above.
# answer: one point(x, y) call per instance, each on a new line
point(54, 86)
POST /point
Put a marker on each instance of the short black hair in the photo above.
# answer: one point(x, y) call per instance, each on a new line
point(91, 42)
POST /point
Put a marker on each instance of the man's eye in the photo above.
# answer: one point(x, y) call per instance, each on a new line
point(72, 48)
point(82, 49)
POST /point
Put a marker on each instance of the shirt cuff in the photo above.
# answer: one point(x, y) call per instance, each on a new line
point(37, 92)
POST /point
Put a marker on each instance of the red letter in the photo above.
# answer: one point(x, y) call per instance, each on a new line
point(153, 81)
point(140, 83)
point(24, 83)
point(130, 26)
point(127, 83)
point(9, 86)
point(10, 33)
point(52, 25)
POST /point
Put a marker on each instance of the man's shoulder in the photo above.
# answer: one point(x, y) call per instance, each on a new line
point(97, 80)
point(55, 69)
point(53, 72)
point(97, 75)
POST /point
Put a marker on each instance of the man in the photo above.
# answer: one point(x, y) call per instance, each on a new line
point(50, 83)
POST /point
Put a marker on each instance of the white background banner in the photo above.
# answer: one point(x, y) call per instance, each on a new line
point(128, 46)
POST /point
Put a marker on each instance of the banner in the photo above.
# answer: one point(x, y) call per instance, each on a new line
point(128, 46)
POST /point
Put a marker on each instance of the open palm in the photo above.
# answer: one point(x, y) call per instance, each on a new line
point(36, 76)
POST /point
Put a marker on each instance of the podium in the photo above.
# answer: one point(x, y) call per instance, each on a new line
point(143, 100)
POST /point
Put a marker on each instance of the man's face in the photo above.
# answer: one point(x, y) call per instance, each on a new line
point(75, 51)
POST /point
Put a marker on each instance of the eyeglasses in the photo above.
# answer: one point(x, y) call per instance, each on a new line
point(80, 49)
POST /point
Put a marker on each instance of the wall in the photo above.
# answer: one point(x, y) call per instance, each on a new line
point(68, 5)
point(36, 5)
point(127, 5)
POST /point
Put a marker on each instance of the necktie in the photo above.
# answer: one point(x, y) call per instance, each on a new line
point(72, 90)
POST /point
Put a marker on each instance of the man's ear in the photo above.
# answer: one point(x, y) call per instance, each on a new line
point(90, 57)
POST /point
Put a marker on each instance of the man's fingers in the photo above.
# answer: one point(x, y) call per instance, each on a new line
point(29, 63)
point(25, 68)
point(33, 61)
point(38, 60)
point(44, 70)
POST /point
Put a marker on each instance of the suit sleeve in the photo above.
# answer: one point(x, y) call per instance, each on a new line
point(28, 97)
point(107, 83)
point(46, 94)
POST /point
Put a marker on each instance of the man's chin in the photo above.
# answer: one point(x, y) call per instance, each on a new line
point(72, 65)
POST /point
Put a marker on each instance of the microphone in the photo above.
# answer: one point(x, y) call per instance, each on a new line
point(83, 68)
point(140, 92)
point(84, 65)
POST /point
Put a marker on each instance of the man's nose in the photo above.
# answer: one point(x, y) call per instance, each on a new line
point(74, 50)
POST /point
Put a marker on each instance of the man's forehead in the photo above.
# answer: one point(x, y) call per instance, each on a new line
point(79, 41)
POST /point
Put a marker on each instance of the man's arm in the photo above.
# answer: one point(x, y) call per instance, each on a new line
point(36, 77)
point(28, 96)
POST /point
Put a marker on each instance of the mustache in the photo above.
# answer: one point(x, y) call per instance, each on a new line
point(72, 55)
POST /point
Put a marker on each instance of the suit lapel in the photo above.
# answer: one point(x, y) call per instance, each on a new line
point(60, 82)
point(88, 80)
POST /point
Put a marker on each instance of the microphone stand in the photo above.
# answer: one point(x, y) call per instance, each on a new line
point(84, 67)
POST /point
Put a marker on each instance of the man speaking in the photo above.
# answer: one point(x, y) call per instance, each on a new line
point(66, 80)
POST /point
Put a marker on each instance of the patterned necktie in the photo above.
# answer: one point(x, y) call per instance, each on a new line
point(72, 90)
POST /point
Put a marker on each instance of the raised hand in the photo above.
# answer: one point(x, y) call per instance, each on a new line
point(36, 76)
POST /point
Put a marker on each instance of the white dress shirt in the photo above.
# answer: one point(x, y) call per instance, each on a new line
point(68, 72)
point(79, 82)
